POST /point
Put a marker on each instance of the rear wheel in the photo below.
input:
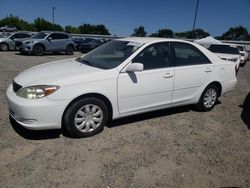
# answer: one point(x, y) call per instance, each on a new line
point(4, 47)
point(85, 117)
point(38, 50)
point(208, 98)
point(69, 50)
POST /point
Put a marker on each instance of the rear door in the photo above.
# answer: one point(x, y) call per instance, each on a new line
point(192, 71)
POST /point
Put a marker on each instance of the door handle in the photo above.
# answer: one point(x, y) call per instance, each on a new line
point(168, 75)
point(208, 70)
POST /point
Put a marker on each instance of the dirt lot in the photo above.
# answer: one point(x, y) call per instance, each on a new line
point(171, 148)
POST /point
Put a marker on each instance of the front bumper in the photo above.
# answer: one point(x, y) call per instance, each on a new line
point(26, 48)
point(37, 114)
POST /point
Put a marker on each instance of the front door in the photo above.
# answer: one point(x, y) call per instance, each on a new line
point(150, 88)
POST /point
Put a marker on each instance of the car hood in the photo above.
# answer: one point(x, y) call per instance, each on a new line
point(63, 72)
point(4, 39)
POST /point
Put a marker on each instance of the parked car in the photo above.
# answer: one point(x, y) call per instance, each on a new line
point(8, 28)
point(78, 41)
point(228, 52)
point(243, 54)
point(92, 44)
point(48, 42)
point(120, 78)
point(7, 42)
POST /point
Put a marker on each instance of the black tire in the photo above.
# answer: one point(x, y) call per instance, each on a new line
point(4, 46)
point(208, 98)
point(38, 50)
point(78, 111)
point(69, 50)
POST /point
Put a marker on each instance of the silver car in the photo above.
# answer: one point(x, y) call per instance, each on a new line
point(7, 40)
point(48, 42)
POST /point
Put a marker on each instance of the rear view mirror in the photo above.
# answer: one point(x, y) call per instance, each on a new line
point(49, 38)
point(133, 67)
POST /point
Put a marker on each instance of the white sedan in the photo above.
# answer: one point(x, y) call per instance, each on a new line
point(120, 78)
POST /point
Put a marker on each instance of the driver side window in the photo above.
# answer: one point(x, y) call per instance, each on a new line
point(154, 56)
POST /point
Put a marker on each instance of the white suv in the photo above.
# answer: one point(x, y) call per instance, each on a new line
point(120, 78)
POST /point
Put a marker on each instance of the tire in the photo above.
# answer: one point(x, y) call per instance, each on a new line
point(208, 98)
point(69, 50)
point(86, 117)
point(38, 50)
point(4, 47)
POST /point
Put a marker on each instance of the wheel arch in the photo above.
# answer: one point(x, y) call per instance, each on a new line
point(8, 46)
point(70, 44)
point(218, 85)
point(41, 44)
point(93, 95)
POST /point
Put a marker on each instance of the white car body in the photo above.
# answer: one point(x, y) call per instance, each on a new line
point(230, 58)
point(244, 54)
point(145, 91)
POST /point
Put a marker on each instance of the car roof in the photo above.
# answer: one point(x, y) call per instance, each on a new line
point(54, 32)
point(151, 40)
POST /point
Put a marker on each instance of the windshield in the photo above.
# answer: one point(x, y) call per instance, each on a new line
point(5, 35)
point(225, 49)
point(110, 55)
point(40, 35)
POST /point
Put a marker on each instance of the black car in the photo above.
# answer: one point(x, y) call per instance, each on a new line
point(87, 47)
point(78, 41)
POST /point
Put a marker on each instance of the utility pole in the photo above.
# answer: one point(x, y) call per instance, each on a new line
point(195, 15)
point(53, 16)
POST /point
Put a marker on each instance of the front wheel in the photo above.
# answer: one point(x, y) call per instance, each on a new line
point(208, 98)
point(38, 50)
point(85, 117)
point(4, 47)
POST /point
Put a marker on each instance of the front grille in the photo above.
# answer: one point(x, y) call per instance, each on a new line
point(16, 86)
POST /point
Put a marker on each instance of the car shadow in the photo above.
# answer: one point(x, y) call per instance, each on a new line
point(45, 54)
point(245, 114)
point(149, 115)
point(34, 135)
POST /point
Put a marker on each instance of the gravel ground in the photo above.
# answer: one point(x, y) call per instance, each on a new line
point(176, 147)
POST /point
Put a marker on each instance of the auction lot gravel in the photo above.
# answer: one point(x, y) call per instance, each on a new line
point(177, 147)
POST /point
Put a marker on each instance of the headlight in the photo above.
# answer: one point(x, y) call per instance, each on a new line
point(29, 42)
point(37, 92)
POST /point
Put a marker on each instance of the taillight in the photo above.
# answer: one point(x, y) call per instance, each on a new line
point(236, 69)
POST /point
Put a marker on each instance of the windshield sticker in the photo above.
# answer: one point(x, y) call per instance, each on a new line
point(137, 44)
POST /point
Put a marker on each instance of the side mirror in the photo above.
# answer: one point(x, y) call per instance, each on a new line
point(49, 38)
point(133, 67)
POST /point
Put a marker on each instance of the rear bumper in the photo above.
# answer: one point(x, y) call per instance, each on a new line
point(228, 86)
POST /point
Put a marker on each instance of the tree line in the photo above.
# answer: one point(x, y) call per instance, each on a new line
point(40, 24)
point(234, 33)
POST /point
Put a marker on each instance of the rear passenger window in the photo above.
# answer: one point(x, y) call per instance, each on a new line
point(186, 54)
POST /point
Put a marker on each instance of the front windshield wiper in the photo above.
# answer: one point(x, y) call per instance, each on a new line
point(80, 60)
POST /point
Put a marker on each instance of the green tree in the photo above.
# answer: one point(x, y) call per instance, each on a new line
point(71, 29)
point(139, 32)
point(41, 24)
point(93, 29)
point(166, 33)
point(198, 34)
point(235, 33)
point(16, 21)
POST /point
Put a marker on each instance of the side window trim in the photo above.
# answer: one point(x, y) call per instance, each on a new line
point(192, 47)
